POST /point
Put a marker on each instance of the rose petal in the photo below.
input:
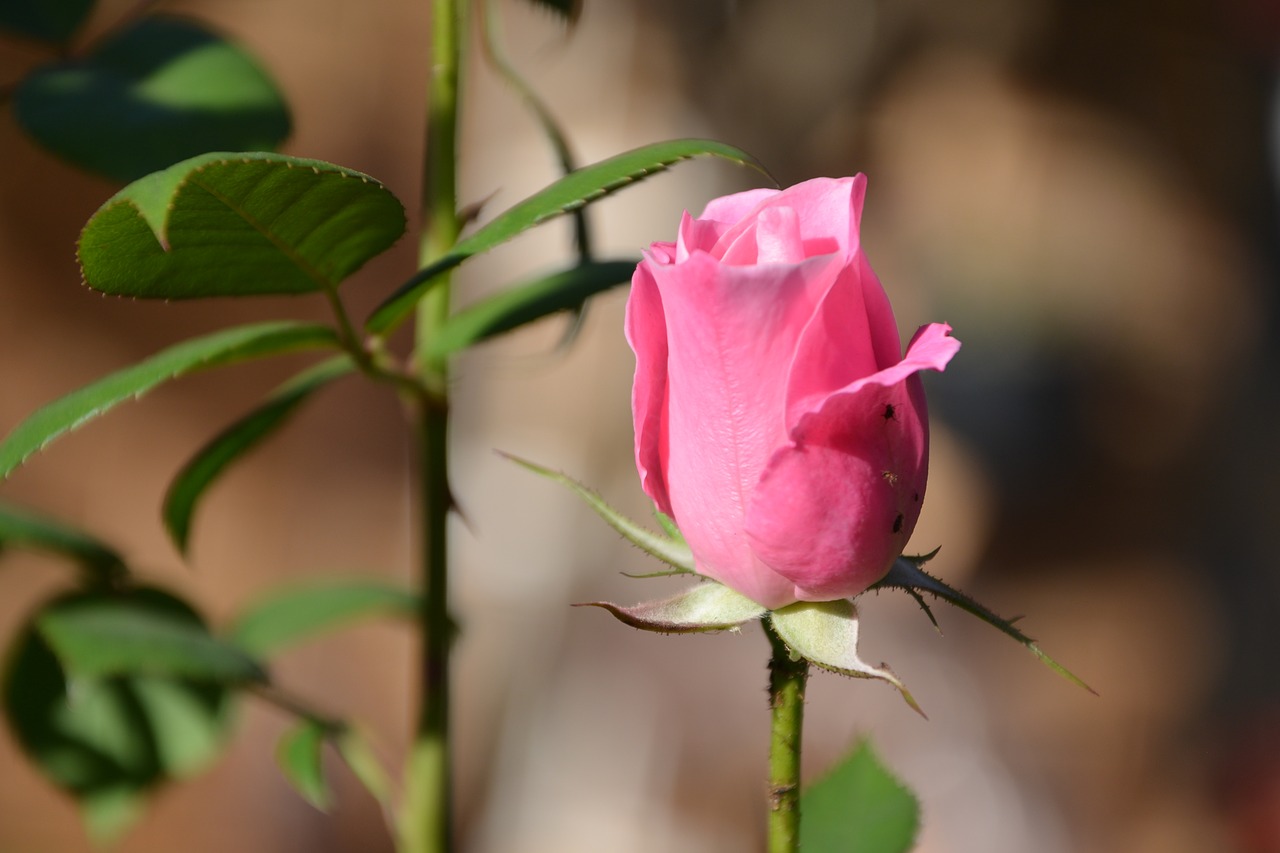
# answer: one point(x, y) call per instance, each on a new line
point(646, 331)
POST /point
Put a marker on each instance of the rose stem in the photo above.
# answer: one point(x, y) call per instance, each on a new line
point(787, 679)
point(425, 823)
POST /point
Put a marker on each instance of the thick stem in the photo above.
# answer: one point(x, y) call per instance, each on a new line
point(425, 822)
point(787, 679)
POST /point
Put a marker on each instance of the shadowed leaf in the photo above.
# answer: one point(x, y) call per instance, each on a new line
point(293, 615)
point(220, 348)
point(235, 441)
point(154, 93)
point(24, 529)
point(47, 20)
point(581, 187)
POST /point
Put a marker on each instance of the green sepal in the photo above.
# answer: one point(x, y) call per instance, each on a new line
point(709, 606)
point(674, 553)
point(825, 633)
point(907, 574)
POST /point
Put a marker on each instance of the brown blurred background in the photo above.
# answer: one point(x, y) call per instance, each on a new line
point(1085, 189)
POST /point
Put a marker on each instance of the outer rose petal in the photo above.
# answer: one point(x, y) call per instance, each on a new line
point(829, 211)
point(730, 333)
point(646, 331)
point(836, 507)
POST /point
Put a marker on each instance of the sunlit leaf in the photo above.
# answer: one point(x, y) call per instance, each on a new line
point(108, 740)
point(159, 91)
point(358, 753)
point(300, 755)
point(510, 309)
point(24, 529)
point(296, 614)
point(47, 20)
point(220, 348)
point(238, 225)
point(571, 192)
point(239, 438)
point(858, 807)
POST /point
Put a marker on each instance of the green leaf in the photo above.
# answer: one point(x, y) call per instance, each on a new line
point(586, 185)
point(106, 741)
point(569, 10)
point(561, 291)
point(858, 807)
point(238, 225)
point(300, 756)
point(152, 94)
point(709, 606)
point(357, 752)
point(220, 348)
point(825, 633)
point(674, 553)
point(238, 439)
point(47, 20)
point(24, 529)
point(296, 614)
point(907, 574)
point(105, 636)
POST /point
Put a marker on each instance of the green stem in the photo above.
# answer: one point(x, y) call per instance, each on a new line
point(787, 679)
point(425, 820)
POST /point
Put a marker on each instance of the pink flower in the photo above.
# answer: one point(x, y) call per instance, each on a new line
point(776, 420)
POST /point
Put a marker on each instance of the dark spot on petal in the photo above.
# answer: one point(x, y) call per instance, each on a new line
point(897, 524)
point(890, 413)
point(915, 496)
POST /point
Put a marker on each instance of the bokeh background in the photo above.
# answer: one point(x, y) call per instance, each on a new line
point(1084, 189)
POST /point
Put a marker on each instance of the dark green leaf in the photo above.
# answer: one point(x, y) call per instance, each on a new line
point(907, 574)
point(107, 740)
point(569, 10)
point(48, 20)
point(858, 808)
point(109, 636)
point(23, 529)
point(238, 439)
point(238, 225)
point(293, 615)
point(588, 184)
point(510, 309)
point(300, 756)
point(160, 91)
point(225, 347)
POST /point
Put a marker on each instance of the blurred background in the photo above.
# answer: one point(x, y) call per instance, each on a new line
point(1084, 189)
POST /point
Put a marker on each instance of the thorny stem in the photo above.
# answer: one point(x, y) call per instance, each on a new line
point(787, 679)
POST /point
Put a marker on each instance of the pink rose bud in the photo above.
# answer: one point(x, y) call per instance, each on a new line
point(776, 420)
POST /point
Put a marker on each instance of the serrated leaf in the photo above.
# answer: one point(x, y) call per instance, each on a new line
point(156, 92)
point(581, 187)
point(293, 615)
point(104, 636)
point(203, 469)
point(224, 224)
point(357, 752)
point(907, 574)
point(825, 633)
point(709, 606)
point(675, 554)
point(220, 348)
point(106, 741)
point(561, 291)
point(858, 807)
point(25, 529)
point(47, 20)
point(300, 756)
